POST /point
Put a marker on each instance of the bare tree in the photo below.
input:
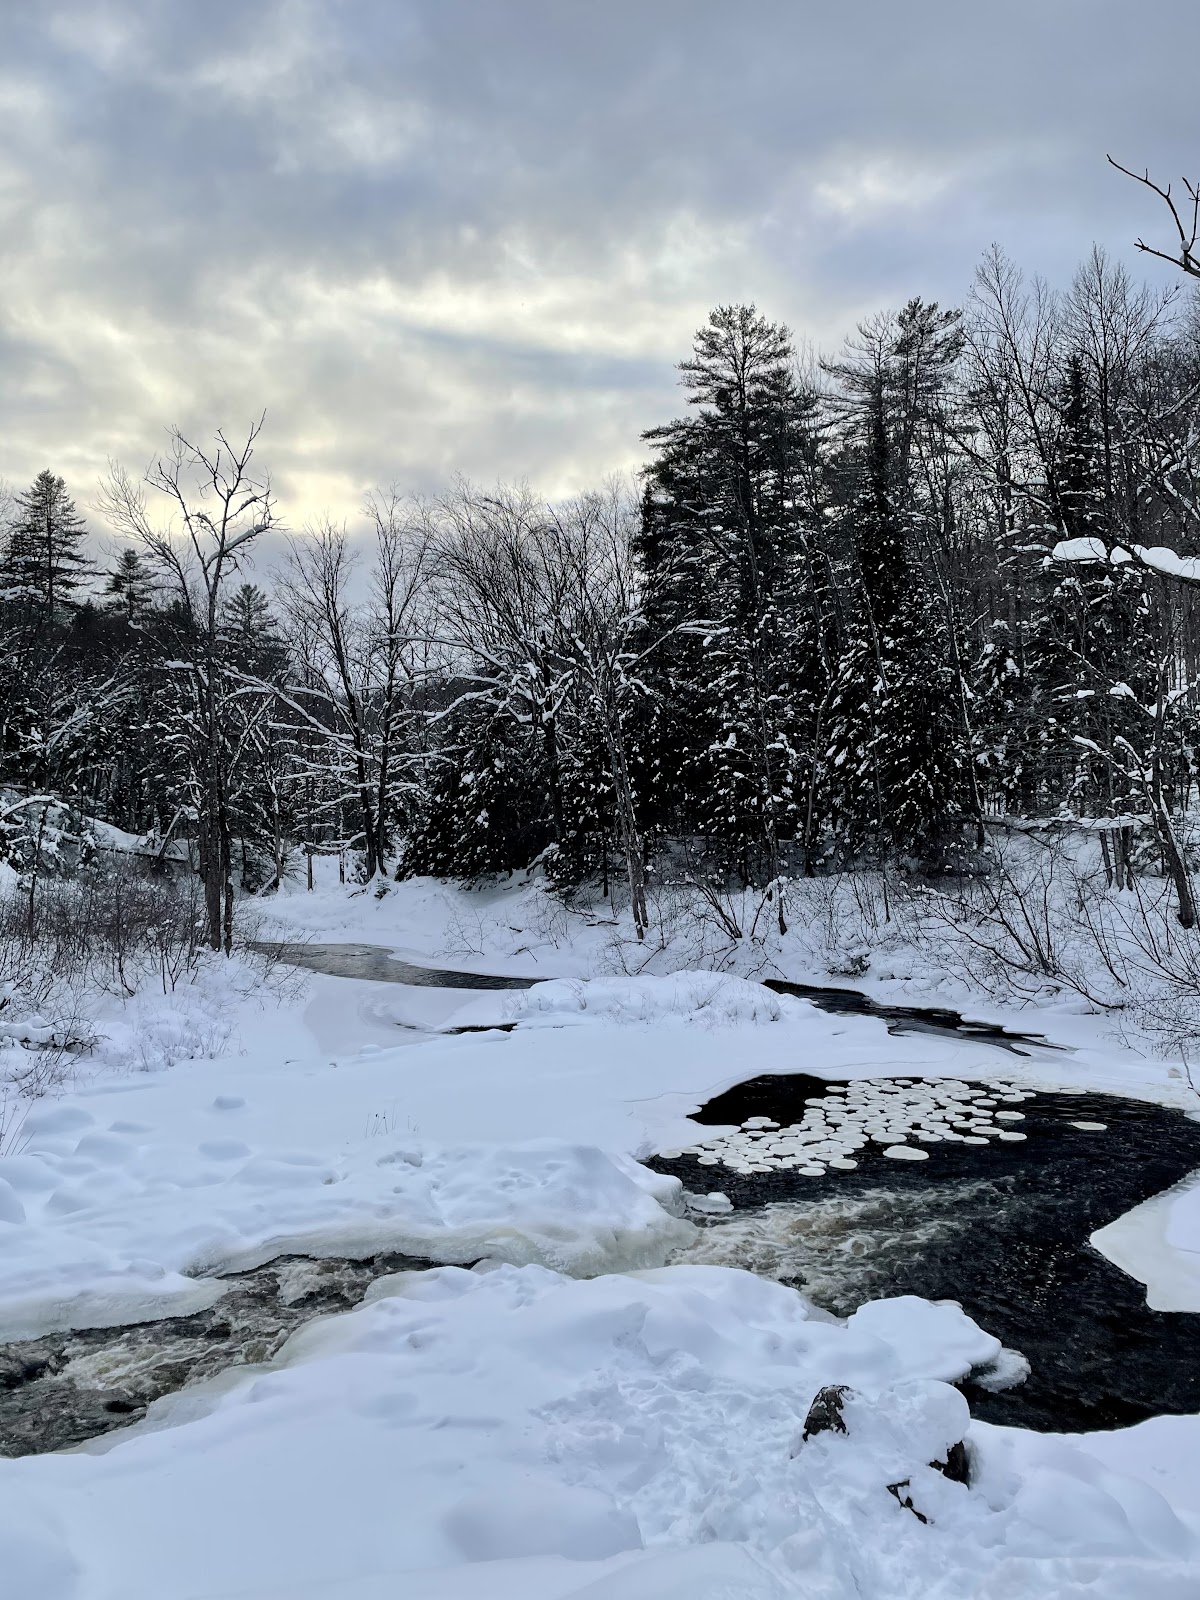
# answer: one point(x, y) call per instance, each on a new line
point(217, 504)
point(316, 595)
point(599, 653)
point(360, 657)
point(1187, 226)
point(500, 591)
point(397, 629)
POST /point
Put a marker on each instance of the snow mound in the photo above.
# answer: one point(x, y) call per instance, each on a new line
point(105, 1229)
point(707, 999)
point(514, 1433)
point(954, 1344)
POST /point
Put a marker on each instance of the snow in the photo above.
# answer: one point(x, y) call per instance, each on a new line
point(103, 1229)
point(715, 1000)
point(1080, 550)
point(1158, 557)
point(1168, 562)
point(119, 842)
point(701, 999)
point(1158, 1243)
point(941, 1337)
point(570, 1417)
point(596, 1437)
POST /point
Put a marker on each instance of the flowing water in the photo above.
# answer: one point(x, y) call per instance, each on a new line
point(66, 1387)
point(377, 964)
point(1002, 1228)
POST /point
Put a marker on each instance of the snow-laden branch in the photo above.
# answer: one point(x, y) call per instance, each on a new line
point(1154, 558)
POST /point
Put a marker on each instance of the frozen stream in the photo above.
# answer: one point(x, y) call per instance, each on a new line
point(1001, 1225)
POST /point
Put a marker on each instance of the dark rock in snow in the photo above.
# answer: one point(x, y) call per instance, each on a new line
point(957, 1465)
point(825, 1415)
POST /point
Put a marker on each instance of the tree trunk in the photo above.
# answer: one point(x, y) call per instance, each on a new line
point(210, 861)
point(634, 862)
point(226, 881)
point(553, 778)
point(1175, 863)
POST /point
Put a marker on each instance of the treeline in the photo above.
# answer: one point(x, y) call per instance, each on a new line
point(828, 625)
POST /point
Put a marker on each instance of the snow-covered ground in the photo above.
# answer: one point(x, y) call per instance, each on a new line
point(573, 1418)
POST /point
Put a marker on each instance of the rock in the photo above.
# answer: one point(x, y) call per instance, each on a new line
point(957, 1465)
point(825, 1413)
point(902, 1493)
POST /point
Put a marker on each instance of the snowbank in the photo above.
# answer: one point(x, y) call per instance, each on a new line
point(1158, 1244)
point(515, 1433)
point(99, 1227)
point(709, 1000)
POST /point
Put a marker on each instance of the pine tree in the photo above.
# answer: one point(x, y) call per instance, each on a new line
point(129, 590)
point(897, 755)
point(250, 633)
point(476, 817)
point(722, 542)
point(43, 564)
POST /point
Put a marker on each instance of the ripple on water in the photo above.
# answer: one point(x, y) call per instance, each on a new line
point(845, 1248)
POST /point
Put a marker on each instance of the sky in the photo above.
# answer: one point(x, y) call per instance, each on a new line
point(440, 237)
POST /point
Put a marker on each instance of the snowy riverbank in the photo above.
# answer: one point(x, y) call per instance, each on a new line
point(577, 1419)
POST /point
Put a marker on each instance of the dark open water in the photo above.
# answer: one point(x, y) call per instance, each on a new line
point(1001, 1228)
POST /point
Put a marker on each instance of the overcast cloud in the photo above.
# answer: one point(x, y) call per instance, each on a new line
point(433, 236)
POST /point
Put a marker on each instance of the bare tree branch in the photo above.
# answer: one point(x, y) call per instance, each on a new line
point(1187, 230)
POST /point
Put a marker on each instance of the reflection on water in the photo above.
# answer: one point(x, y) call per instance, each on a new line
point(377, 964)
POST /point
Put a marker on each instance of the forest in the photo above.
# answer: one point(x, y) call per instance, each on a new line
point(853, 611)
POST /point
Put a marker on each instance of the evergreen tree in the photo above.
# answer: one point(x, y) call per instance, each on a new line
point(897, 756)
point(723, 540)
point(43, 563)
point(477, 818)
point(129, 590)
point(250, 633)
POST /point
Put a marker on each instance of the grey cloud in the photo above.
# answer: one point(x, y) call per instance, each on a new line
point(431, 235)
